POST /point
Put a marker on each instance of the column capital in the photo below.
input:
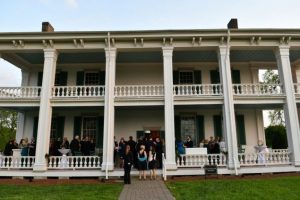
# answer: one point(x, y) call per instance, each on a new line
point(167, 51)
point(283, 50)
point(50, 53)
point(223, 49)
point(112, 52)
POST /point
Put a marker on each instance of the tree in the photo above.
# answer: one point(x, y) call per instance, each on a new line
point(8, 127)
point(276, 137)
point(276, 116)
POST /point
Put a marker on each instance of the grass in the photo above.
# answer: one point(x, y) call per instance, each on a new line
point(262, 189)
point(59, 192)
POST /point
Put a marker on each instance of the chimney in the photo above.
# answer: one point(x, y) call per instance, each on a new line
point(47, 27)
point(233, 24)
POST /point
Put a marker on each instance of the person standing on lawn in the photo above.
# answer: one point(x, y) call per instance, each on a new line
point(127, 164)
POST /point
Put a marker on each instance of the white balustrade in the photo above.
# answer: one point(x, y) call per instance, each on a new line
point(13, 162)
point(274, 157)
point(75, 162)
point(164, 169)
point(257, 89)
point(20, 92)
point(78, 91)
point(139, 90)
point(198, 90)
point(201, 160)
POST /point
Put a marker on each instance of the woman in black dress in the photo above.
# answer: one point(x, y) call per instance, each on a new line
point(142, 162)
point(152, 163)
point(127, 164)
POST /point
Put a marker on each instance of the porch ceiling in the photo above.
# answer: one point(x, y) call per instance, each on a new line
point(259, 106)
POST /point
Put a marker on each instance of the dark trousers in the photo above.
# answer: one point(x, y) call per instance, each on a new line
point(127, 169)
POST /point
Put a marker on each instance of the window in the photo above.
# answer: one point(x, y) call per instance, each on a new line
point(188, 128)
point(89, 127)
point(92, 78)
point(54, 129)
point(186, 77)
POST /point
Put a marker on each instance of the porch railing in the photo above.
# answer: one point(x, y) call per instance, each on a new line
point(20, 92)
point(272, 158)
point(164, 169)
point(78, 91)
point(258, 89)
point(198, 90)
point(74, 162)
point(139, 90)
point(201, 160)
point(12, 162)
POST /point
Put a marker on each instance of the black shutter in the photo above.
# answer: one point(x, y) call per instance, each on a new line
point(162, 135)
point(140, 134)
point(60, 127)
point(77, 126)
point(235, 76)
point(63, 78)
point(214, 77)
point(80, 78)
point(218, 125)
point(197, 77)
point(40, 79)
point(240, 130)
point(99, 136)
point(102, 78)
point(200, 127)
point(35, 127)
point(177, 127)
point(175, 77)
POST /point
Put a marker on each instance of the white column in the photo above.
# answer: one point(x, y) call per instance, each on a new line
point(228, 107)
point(169, 108)
point(45, 112)
point(109, 110)
point(21, 115)
point(290, 108)
point(260, 125)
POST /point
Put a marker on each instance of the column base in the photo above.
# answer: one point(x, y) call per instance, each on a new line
point(233, 166)
point(107, 166)
point(40, 167)
point(171, 165)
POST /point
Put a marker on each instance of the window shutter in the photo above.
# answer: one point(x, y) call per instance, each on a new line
point(236, 76)
point(240, 129)
point(35, 127)
point(60, 127)
point(215, 77)
point(218, 125)
point(200, 127)
point(80, 78)
point(40, 79)
point(77, 126)
point(175, 77)
point(63, 78)
point(99, 136)
point(197, 77)
point(177, 127)
point(102, 77)
point(162, 135)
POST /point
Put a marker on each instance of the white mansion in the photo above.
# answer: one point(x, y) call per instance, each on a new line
point(174, 83)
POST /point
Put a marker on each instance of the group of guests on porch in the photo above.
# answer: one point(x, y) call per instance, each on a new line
point(143, 154)
point(26, 148)
point(213, 145)
point(84, 146)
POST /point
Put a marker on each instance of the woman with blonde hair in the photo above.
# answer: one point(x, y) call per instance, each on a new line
point(142, 162)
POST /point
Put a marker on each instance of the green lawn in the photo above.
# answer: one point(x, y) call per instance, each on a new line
point(65, 192)
point(280, 188)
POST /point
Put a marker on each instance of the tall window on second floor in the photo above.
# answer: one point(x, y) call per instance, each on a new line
point(54, 129)
point(92, 78)
point(186, 77)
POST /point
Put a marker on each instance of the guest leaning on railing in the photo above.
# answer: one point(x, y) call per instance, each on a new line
point(12, 144)
point(24, 146)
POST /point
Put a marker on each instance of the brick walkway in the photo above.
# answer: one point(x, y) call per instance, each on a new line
point(150, 190)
